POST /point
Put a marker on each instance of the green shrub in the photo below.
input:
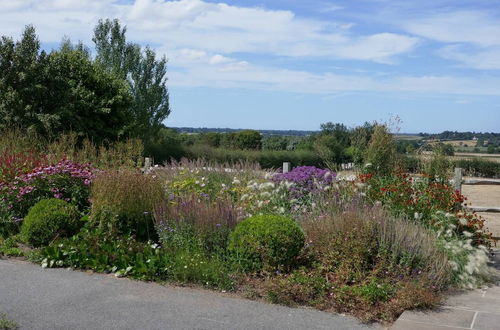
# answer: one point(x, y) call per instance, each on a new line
point(6, 324)
point(374, 291)
point(266, 241)
point(438, 167)
point(411, 164)
point(479, 167)
point(266, 158)
point(49, 219)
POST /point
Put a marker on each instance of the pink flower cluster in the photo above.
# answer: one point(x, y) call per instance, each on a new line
point(75, 170)
point(25, 182)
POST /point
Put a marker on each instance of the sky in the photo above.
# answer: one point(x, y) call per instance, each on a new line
point(294, 64)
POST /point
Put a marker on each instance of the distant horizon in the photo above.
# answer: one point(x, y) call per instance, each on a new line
point(318, 130)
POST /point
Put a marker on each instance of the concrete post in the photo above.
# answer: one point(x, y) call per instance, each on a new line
point(457, 179)
point(286, 167)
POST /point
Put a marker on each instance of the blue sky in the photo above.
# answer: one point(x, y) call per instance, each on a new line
point(294, 64)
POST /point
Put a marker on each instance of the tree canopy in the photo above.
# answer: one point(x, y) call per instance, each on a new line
point(121, 92)
point(145, 75)
point(60, 91)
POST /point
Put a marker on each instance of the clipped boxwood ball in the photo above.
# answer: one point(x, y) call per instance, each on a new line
point(266, 241)
point(49, 219)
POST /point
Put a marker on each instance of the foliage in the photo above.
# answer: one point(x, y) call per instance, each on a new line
point(87, 100)
point(166, 145)
point(381, 152)
point(266, 241)
point(6, 324)
point(266, 158)
point(411, 163)
point(125, 199)
point(60, 91)
point(186, 220)
point(13, 164)
point(10, 246)
point(359, 260)
point(468, 259)
point(49, 219)
point(479, 167)
point(421, 199)
point(332, 142)
point(444, 149)
point(21, 79)
point(242, 140)
point(65, 180)
point(438, 167)
point(106, 251)
point(276, 143)
point(360, 139)
point(146, 76)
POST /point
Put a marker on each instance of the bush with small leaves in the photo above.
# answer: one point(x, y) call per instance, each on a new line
point(266, 241)
point(48, 220)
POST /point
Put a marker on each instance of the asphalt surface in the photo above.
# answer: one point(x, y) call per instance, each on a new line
point(38, 298)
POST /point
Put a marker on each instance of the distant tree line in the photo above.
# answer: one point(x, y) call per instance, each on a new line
point(265, 132)
point(491, 138)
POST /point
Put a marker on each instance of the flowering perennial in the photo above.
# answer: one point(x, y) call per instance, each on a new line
point(65, 180)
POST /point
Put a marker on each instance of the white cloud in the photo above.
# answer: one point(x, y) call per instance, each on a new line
point(219, 59)
point(203, 42)
point(458, 26)
point(236, 75)
point(473, 36)
point(212, 27)
point(483, 59)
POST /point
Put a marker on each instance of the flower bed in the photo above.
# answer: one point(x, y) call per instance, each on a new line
point(372, 247)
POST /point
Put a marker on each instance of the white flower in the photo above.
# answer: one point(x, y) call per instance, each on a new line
point(266, 185)
point(265, 194)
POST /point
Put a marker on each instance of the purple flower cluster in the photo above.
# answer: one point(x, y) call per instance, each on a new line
point(306, 180)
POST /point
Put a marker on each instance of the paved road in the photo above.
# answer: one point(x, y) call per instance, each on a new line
point(39, 298)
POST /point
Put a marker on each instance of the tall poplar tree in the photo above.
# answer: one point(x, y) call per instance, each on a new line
point(146, 76)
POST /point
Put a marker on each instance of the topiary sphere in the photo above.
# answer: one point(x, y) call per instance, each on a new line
point(49, 219)
point(266, 241)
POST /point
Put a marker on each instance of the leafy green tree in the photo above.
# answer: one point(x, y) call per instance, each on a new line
point(61, 91)
point(165, 145)
point(275, 143)
point(248, 139)
point(145, 74)
point(21, 87)
point(444, 149)
point(381, 157)
point(212, 139)
point(332, 142)
point(360, 139)
point(83, 97)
